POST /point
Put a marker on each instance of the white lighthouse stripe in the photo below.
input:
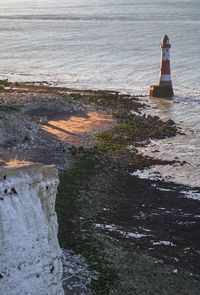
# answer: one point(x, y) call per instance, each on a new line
point(165, 54)
point(165, 78)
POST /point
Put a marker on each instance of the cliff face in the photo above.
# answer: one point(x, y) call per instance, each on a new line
point(30, 256)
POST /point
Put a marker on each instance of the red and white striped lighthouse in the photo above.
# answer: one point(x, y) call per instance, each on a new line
point(164, 88)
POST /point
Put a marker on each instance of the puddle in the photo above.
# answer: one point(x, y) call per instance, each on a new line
point(195, 195)
point(126, 234)
point(145, 174)
point(165, 243)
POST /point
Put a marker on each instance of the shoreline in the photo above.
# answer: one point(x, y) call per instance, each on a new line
point(45, 117)
point(122, 224)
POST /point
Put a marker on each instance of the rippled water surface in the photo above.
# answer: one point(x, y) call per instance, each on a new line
point(185, 147)
point(110, 44)
point(100, 43)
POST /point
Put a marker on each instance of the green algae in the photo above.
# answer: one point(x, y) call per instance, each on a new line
point(93, 185)
point(7, 108)
point(77, 209)
point(133, 129)
point(3, 84)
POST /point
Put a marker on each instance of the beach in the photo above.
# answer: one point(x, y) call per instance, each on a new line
point(111, 46)
point(129, 228)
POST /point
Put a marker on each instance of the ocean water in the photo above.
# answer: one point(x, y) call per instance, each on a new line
point(185, 147)
point(110, 44)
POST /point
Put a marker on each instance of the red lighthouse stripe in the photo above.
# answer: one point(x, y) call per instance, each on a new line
point(165, 46)
point(165, 69)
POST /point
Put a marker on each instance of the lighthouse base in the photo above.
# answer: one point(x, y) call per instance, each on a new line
point(161, 91)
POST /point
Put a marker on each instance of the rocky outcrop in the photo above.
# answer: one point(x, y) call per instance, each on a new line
point(23, 138)
point(30, 256)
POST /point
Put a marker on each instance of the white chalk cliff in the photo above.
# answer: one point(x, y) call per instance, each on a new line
point(30, 256)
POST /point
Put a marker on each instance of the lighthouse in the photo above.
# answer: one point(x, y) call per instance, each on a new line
point(164, 87)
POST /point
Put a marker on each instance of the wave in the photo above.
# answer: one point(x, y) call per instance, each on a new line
point(70, 17)
point(66, 17)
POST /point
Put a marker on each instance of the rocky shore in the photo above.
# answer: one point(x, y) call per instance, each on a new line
point(22, 136)
point(137, 236)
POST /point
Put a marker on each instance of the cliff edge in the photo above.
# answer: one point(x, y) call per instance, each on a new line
point(30, 256)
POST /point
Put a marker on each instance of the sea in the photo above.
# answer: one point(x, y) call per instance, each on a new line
point(114, 45)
